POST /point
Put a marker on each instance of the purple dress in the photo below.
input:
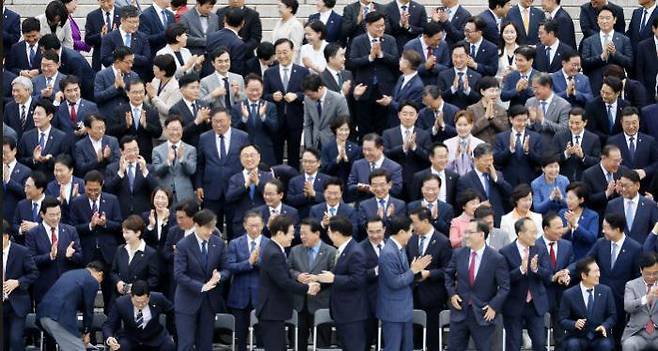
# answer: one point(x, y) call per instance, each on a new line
point(78, 43)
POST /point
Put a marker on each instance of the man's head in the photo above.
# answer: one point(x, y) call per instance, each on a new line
point(333, 191)
point(375, 229)
point(313, 87)
point(340, 230)
point(31, 30)
point(430, 187)
point(518, 117)
point(49, 64)
point(408, 113)
point(221, 60)
point(129, 19)
point(548, 32)
point(136, 92)
point(234, 18)
point(473, 29)
point(282, 230)
point(421, 219)
point(375, 24)
point(176, 34)
point(174, 128)
point(571, 63)
point(35, 185)
point(475, 234)
point(611, 158)
point(190, 86)
point(577, 120)
point(630, 183)
point(439, 156)
point(8, 149)
point(526, 231)
point(380, 183)
point(630, 120)
point(93, 184)
point(70, 86)
point(6, 233)
point(309, 231)
point(253, 223)
point(50, 211)
point(483, 157)
point(334, 53)
point(485, 214)
point(265, 53)
point(588, 271)
point(250, 157)
point(273, 192)
point(542, 85)
point(96, 269)
point(500, 7)
point(43, 114)
point(140, 294)
point(220, 119)
point(409, 61)
point(21, 89)
point(433, 33)
point(399, 228)
point(284, 51)
point(524, 56)
point(613, 226)
point(185, 212)
point(611, 89)
point(129, 148)
point(648, 262)
point(253, 87)
point(63, 169)
point(432, 96)
point(373, 147)
point(553, 226)
point(311, 160)
point(205, 223)
point(606, 19)
point(459, 54)
point(123, 58)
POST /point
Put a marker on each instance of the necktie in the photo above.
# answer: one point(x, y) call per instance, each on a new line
point(179, 58)
point(49, 82)
point(528, 296)
point(643, 22)
point(372, 166)
point(421, 245)
point(461, 81)
point(404, 8)
point(606, 41)
point(332, 211)
point(526, 19)
point(630, 214)
point(611, 119)
point(136, 115)
point(518, 147)
point(252, 246)
point(33, 53)
point(552, 254)
point(252, 191)
point(164, 18)
point(430, 206)
point(204, 252)
point(590, 302)
point(53, 236)
point(429, 52)
point(222, 148)
point(194, 110)
point(139, 319)
point(339, 80)
point(311, 257)
point(473, 52)
point(126, 40)
point(227, 97)
point(319, 108)
point(382, 205)
point(613, 255)
point(548, 55)
point(577, 139)
point(131, 176)
point(543, 107)
point(72, 113)
point(42, 141)
point(23, 116)
point(649, 327)
point(108, 21)
point(286, 78)
point(35, 212)
point(94, 208)
point(609, 177)
point(471, 268)
point(486, 184)
point(365, 11)
point(253, 112)
point(310, 179)
point(174, 147)
point(631, 148)
point(407, 135)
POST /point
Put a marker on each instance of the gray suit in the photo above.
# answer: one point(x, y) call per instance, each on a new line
point(498, 239)
point(298, 262)
point(634, 334)
point(196, 38)
point(317, 129)
point(211, 82)
point(177, 177)
point(555, 120)
point(39, 83)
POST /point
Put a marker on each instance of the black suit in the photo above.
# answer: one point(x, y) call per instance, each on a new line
point(351, 29)
point(635, 93)
point(566, 31)
point(412, 161)
point(93, 26)
point(143, 266)
point(573, 166)
point(499, 192)
point(13, 190)
point(588, 19)
point(252, 30)
point(12, 117)
point(372, 286)
point(597, 182)
point(417, 22)
point(137, 199)
point(55, 145)
point(450, 185)
point(597, 117)
point(18, 60)
point(646, 65)
point(144, 134)
point(645, 156)
point(191, 131)
point(455, 29)
point(459, 98)
point(20, 266)
point(541, 60)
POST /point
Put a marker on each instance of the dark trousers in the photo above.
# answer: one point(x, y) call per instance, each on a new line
point(13, 329)
point(166, 344)
point(351, 335)
point(306, 319)
point(461, 331)
point(583, 344)
point(292, 136)
point(371, 332)
point(274, 335)
point(242, 319)
point(532, 322)
point(196, 328)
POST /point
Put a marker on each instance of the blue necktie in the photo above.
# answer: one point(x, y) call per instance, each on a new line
point(518, 148)
point(611, 119)
point(222, 148)
point(548, 56)
point(631, 148)
point(487, 186)
point(473, 51)
point(319, 107)
point(136, 116)
point(382, 204)
point(94, 208)
point(421, 244)
point(164, 19)
point(108, 21)
point(311, 257)
point(590, 302)
point(131, 177)
point(252, 191)
point(126, 40)
point(403, 258)
point(543, 107)
point(254, 114)
point(643, 22)
point(252, 246)
point(42, 141)
point(204, 253)
point(35, 212)
point(33, 53)
point(630, 214)
point(460, 86)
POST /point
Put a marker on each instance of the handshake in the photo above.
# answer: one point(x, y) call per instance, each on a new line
point(313, 288)
point(314, 280)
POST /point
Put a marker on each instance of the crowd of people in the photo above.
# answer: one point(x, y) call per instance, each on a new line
point(392, 158)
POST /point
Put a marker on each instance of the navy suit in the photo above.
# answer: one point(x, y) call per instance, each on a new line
point(240, 199)
point(635, 93)
point(517, 309)
point(12, 112)
point(18, 60)
point(518, 166)
point(647, 123)
point(55, 145)
point(597, 183)
point(137, 199)
point(411, 161)
point(646, 215)
point(351, 28)
point(573, 308)
point(636, 34)
point(412, 91)
point(328, 159)
point(191, 131)
point(13, 190)
point(139, 43)
point(455, 29)
point(121, 325)
point(645, 156)
point(291, 114)
point(445, 215)
point(566, 31)
point(583, 88)
point(143, 266)
point(508, 90)
point(144, 134)
point(86, 158)
point(427, 119)
point(237, 48)
point(53, 189)
point(646, 65)
point(541, 60)
point(369, 208)
point(11, 29)
point(588, 19)
point(486, 58)
point(195, 310)
point(275, 304)
point(261, 132)
point(333, 26)
point(597, 118)
point(289, 211)
point(491, 287)
point(63, 121)
point(23, 213)
point(583, 238)
point(20, 266)
point(417, 22)
point(594, 66)
point(103, 239)
point(318, 211)
point(499, 191)
point(491, 31)
point(450, 184)
point(459, 98)
point(536, 17)
point(73, 63)
point(295, 196)
point(372, 286)
point(107, 96)
point(150, 23)
point(361, 172)
point(93, 26)
point(252, 30)
point(573, 167)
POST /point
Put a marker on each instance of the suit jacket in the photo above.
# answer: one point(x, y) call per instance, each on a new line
point(299, 263)
point(640, 314)
point(137, 199)
point(597, 118)
point(243, 292)
point(212, 172)
point(53, 189)
point(237, 48)
point(289, 211)
point(635, 93)
point(573, 308)
point(498, 194)
point(348, 301)
point(350, 27)
point(330, 82)
point(73, 63)
point(541, 60)
point(450, 184)
point(411, 161)
point(139, 43)
point(583, 88)
point(383, 71)
point(588, 19)
point(646, 215)
point(150, 23)
point(518, 167)
point(372, 275)
point(555, 120)
point(646, 64)
point(143, 266)
point(191, 273)
point(597, 183)
point(121, 321)
point(412, 91)
point(564, 257)
point(85, 155)
point(492, 281)
point(566, 31)
point(459, 98)
point(105, 238)
point(277, 285)
point(23, 213)
point(360, 173)
point(108, 97)
point(177, 176)
point(291, 114)
point(143, 134)
point(441, 53)
point(191, 131)
point(317, 212)
point(427, 119)
point(486, 58)
point(431, 292)
point(18, 60)
point(644, 158)
point(63, 120)
point(56, 144)
point(334, 26)
point(11, 28)
point(368, 208)
point(238, 196)
point(573, 167)
point(211, 82)
point(534, 282)
point(536, 17)
point(317, 128)
point(455, 29)
point(417, 22)
point(252, 30)
point(74, 289)
point(93, 26)
point(12, 113)
point(647, 124)
point(626, 266)
point(445, 214)
point(593, 65)
point(196, 40)
point(20, 266)
point(637, 34)
point(262, 131)
point(483, 127)
point(395, 295)
point(39, 83)
point(341, 169)
point(295, 196)
point(508, 89)
point(7, 78)
point(491, 31)
point(13, 190)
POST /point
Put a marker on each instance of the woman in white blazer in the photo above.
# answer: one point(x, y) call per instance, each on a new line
point(522, 200)
point(460, 147)
point(176, 37)
point(163, 91)
point(288, 26)
point(57, 14)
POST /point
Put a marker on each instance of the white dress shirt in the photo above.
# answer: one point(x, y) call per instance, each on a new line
point(478, 259)
point(131, 253)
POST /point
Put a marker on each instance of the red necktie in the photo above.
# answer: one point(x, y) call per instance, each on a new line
point(649, 327)
point(74, 115)
point(552, 253)
point(429, 51)
point(53, 237)
point(471, 269)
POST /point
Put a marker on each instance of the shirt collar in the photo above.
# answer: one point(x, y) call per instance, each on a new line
point(48, 228)
point(221, 76)
point(480, 251)
point(5, 250)
point(257, 239)
point(342, 247)
point(378, 163)
point(200, 240)
point(28, 102)
point(554, 12)
point(289, 67)
point(630, 136)
point(399, 246)
point(277, 208)
point(12, 164)
point(555, 45)
point(141, 247)
point(178, 144)
point(386, 199)
point(521, 247)
point(619, 242)
point(280, 247)
point(370, 38)
point(650, 10)
point(548, 242)
point(635, 199)
point(549, 100)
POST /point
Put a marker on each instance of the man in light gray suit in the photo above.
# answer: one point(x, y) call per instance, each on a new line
point(222, 88)
point(46, 85)
point(640, 300)
point(174, 162)
point(200, 21)
point(321, 107)
point(312, 256)
point(549, 113)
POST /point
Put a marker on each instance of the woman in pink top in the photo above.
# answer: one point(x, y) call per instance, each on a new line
point(468, 201)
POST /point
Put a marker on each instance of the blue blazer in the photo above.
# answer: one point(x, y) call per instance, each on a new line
point(144, 266)
point(372, 278)
point(634, 33)
point(368, 208)
point(23, 213)
point(650, 244)
point(566, 31)
point(328, 159)
point(450, 185)
point(597, 118)
point(413, 91)
point(73, 63)
point(455, 29)
point(21, 267)
point(121, 321)
point(13, 190)
point(646, 215)
point(236, 47)
point(646, 64)
point(593, 66)
point(291, 114)
point(56, 144)
point(585, 236)
point(597, 182)
point(565, 257)
point(427, 118)
point(647, 124)
point(191, 273)
point(11, 28)
point(296, 198)
point(583, 88)
point(74, 289)
point(486, 58)
point(317, 211)
point(39, 83)
point(508, 90)
point(244, 284)
point(441, 53)
point(385, 69)
point(85, 155)
point(17, 59)
point(348, 301)
point(12, 117)
point(442, 222)
point(261, 133)
point(491, 286)
point(395, 301)
point(431, 292)
point(572, 308)
point(103, 237)
point(53, 190)
point(237, 196)
point(150, 23)
point(645, 156)
point(139, 43)
point(62, 119)
point(333, 26)
point(361, 171)
point(490, 32)
point(459, 98)
point(626, 267)
point(212, 172)
point(417, 22)
point(573, 167)
point(536, 17)
point(499, 192)
point(139, 199)
point(411, 161)
point(520, 284)
point(106, 95)
point(541, 61)
point(93, 26)
point(518, 169)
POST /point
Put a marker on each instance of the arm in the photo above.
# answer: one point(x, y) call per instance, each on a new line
point(356, 279)
point(391, 273)
point(632, 302)
point(180, 271)
point(30, 273)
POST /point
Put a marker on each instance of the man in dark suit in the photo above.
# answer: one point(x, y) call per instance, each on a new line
point(336, 77)
point(46, 84)
point(640, 27)
point(604, 111)
point(453, 17)
point(11, 26)
point(372, 247)
point(551, 50)
point(263, 60)
point(587, 311)
point(97, 150)
point(528, 20)
point(646, 63)
point(18, 113)
point(579, 148)
point(14, 175)
point(24, 58)
point(569, 83)
point(374, 158)
point(434, 52)
point(438, 156)
point(100, 21)
point(633, 91)
point(306, 189)
point(252, 30)
point(283, 87)
point(441, 213)
point(437, 116)
point(57, 312)
point(277, 285)
point(134, 320)
point(333, 205)
point(200, 269)
point(429, 291)
point(487, 181)
point(382, 204)
point(215, 168)
point(374, 59)
point(409, 87)
point(331, 19)
point(480, 50)
point(459, 84)
point(194, 111)
point(354, 15)
point(478, 282)
point(530, 273)
point(73, 110)
point(65, 187)
point(273, 193)
point(26, 215)
point(127, 35)
point(407, 20)
point(19, 273)
point(517, 85)
point(110, 83)
point(601, 179)
point(588, 17)
point(229, 38)
point(137, 119)
point(566, 31)
point(493, 17)
point(641, 213)
point(71, 62)
point(154, 21)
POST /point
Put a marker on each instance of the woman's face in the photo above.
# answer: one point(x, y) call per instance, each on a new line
point(182, 40)
point(552, 170)
point(157, 72)
point(525, 203)
point(470, 207)
point(573, 201)
point(463, 127)
point(160, 200)
point(311, 35)
point(343, 132)
point(284, 10)
point(130, 236)
point(509, 34)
